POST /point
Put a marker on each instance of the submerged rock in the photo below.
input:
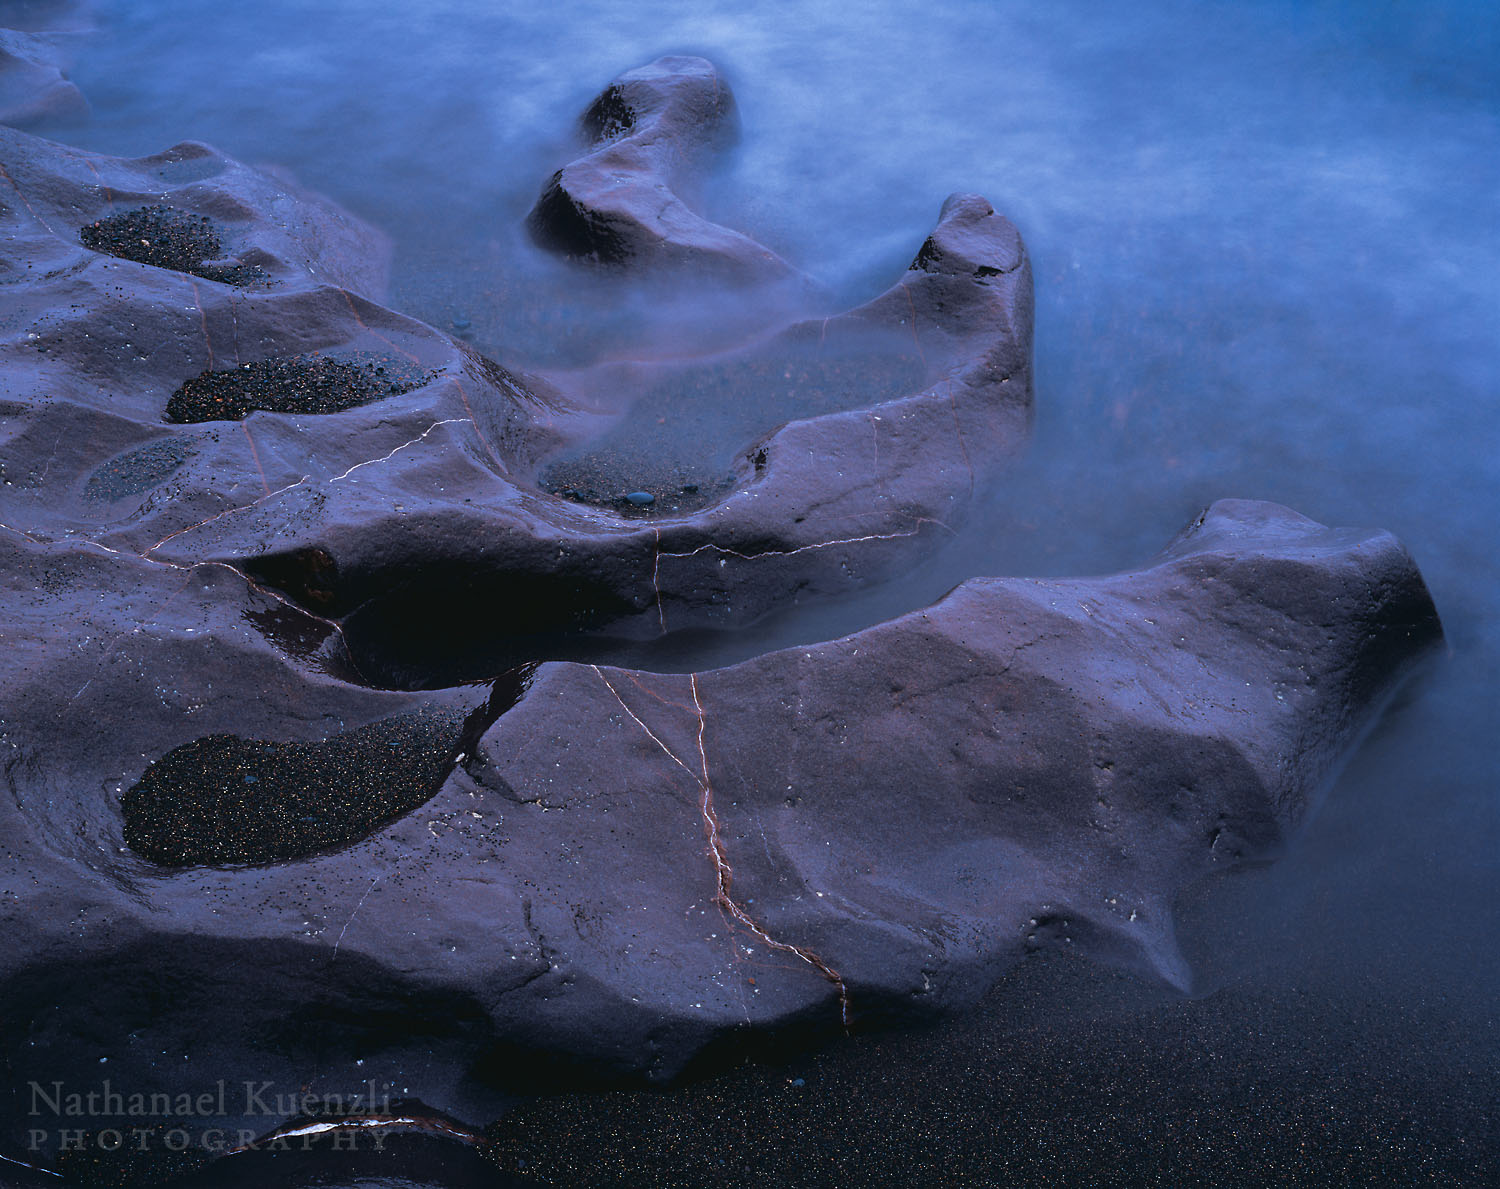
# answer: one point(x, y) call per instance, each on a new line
point(650, 134)
point(32, 84)
point(136, 471)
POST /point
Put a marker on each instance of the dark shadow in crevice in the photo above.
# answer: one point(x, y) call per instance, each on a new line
point(445, 625)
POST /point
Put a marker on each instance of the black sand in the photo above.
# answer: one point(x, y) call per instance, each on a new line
point(170, 238)
point(300, 384)
point(223, 799)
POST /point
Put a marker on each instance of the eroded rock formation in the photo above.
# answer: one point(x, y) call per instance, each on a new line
point(650, 135)
point(288, 795)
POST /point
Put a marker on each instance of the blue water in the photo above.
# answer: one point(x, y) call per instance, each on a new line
point(1266, 240)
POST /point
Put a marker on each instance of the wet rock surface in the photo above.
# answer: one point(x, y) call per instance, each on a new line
point(631, 874)
point(275, 806)
point(33, 85)
point(519, 479)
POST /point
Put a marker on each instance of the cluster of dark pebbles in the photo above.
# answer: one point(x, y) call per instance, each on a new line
point(296, 384)
point(170, 238)
point(227, 800)
point(136, 471)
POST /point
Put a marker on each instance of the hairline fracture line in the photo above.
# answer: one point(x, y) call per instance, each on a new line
point(145, 556)
point(298, 483)
point(915, 531)
point(212, 563)
point(724, 873)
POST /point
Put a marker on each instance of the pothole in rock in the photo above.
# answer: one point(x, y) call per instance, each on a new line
point(166, 237)
point(443, 621)
point(679, 446)
point(136, 471)
point(446, 625)
point(223, 799)
point(449, 626)
point(308, 383)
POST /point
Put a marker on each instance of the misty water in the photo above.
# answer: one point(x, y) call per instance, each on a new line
point(1266, 242)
